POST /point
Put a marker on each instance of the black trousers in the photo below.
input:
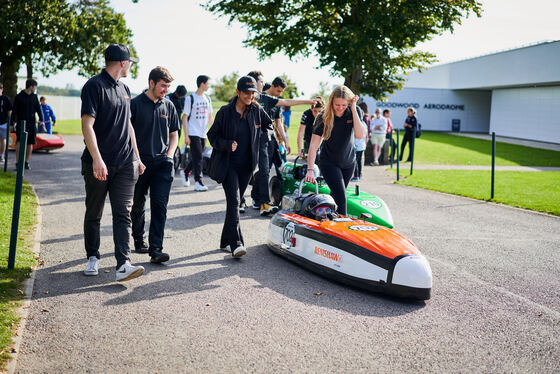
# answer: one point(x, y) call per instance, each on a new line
point(260, 193)
point(234, 185)
point(157, 179)
point(274, 155)
point(197, 149)
point(407, 139)
point(120, 187)
point(358, 169)
point(337, 179)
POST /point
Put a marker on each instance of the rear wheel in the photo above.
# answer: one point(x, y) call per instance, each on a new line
point(275, 189)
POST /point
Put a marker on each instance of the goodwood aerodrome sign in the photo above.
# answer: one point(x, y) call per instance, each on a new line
point(381, 104)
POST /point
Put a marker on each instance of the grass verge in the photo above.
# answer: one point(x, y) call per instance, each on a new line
point(538, 191)
point(11, 292)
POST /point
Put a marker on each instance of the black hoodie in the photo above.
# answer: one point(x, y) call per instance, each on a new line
point(25, 107)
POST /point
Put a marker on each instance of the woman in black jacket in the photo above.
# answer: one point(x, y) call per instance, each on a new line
point(234, 136)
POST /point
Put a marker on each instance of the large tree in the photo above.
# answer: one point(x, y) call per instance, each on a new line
point(53, 35)
point(369, 43)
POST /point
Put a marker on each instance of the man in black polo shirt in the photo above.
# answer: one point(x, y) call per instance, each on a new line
point(271, 104)
point(110, 162)
point(156, 125)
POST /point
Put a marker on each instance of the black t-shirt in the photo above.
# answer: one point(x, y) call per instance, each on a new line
point(411, 121)
point(153, 122)
point(179, 103)
point(242, 156)
point(339, 148)
point(307, 119)
point(108, 101)
point(269, 105)
point(25, 107)
point(5, 107)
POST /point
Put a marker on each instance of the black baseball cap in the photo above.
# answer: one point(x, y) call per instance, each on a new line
point(247, 84)
point(118, 52)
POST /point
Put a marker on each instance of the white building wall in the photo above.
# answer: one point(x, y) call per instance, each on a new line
point(64, 107)
point(527, 113)
point(436, 109)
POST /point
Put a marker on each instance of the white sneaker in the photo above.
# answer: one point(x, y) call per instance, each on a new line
point(127, 271)
point(255, 206)
point(227, 249)
point(92, 267)
point(239, 251)
point(184, 179)
point(200, 187)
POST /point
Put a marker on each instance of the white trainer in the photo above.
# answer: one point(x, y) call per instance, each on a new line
point(184, 178)
point(239, 252)
point(227, 249)
point(127, 271)
point(92, 267)
point(200, 187)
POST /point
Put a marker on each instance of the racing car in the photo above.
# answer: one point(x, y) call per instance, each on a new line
point(372, 257)
point(361, 205)
point(43, 142)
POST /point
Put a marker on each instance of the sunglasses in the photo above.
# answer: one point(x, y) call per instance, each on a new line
point(322, 211)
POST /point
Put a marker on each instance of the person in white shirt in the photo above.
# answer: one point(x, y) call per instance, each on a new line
point(197, 118)
point(378, 128)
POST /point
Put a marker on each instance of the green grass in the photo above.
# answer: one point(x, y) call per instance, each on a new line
point(530, 190)
point(11, 280)
point(445, 149)
point(68, 127)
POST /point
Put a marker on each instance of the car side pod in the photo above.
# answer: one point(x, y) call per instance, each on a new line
point(412, 277)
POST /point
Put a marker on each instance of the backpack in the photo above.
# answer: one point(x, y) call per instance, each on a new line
point(419, 131)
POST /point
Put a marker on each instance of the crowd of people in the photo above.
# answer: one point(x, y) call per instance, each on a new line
point(130, 145)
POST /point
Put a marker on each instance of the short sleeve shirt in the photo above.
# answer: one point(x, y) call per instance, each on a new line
point(269, 105)
point(339, 148)
point(5, 107)
point(108, 101)
point(198, 113)
point(307, 119)
point(153, 122)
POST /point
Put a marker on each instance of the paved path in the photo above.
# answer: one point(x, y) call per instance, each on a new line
point(482, 167)
point(495, 304)
point(504, 139)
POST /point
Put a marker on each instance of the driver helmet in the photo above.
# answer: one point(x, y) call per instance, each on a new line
point(320, 206)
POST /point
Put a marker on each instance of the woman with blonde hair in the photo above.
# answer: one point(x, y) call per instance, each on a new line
point(336, 127)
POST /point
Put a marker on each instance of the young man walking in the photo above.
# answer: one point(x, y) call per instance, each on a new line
point(156, 126)
point(110, 162)
point(5, 113)
point(196, 120)
point(26, 105)
point(271, 103)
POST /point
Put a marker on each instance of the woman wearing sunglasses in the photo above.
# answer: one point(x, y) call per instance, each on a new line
point(234, 137)
point(336, 127)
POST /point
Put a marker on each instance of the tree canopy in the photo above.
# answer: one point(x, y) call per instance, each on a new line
point(369, 43)
point(57, 34)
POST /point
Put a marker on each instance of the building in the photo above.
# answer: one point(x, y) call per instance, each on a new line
point(514, 93)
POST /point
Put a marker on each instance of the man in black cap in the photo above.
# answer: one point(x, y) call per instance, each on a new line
point(110, 162)
point(155, 123)
point(178, 100)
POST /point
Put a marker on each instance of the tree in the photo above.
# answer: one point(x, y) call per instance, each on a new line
point(369, 43)
point(224, 90)
point(324, 90)
point(56, 35)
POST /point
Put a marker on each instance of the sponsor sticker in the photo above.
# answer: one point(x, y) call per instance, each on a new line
point(363, 228)
point(342, 220)
point(288, 234)
point(328, 254)
point(370, 204)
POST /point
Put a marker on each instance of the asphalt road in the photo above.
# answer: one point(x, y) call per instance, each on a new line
point(495, 303)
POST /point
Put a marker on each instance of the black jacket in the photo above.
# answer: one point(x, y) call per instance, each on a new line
point(223, 132)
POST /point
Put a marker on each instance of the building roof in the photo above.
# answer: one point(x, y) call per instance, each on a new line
point(529, 66)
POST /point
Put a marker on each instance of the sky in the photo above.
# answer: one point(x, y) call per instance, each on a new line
point(183, 37)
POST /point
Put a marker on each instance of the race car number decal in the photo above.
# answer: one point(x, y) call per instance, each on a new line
point(288, 234)
point(363, 228)
point(371, 204)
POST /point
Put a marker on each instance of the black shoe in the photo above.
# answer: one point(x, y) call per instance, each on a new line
point(141, 246)
point(157, 256)
point(27, 166)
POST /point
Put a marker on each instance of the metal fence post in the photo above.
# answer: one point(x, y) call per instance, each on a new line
point(493, 164)
point(398, 140)
point(412, 149)
point(17, 197)
point(391, 155)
